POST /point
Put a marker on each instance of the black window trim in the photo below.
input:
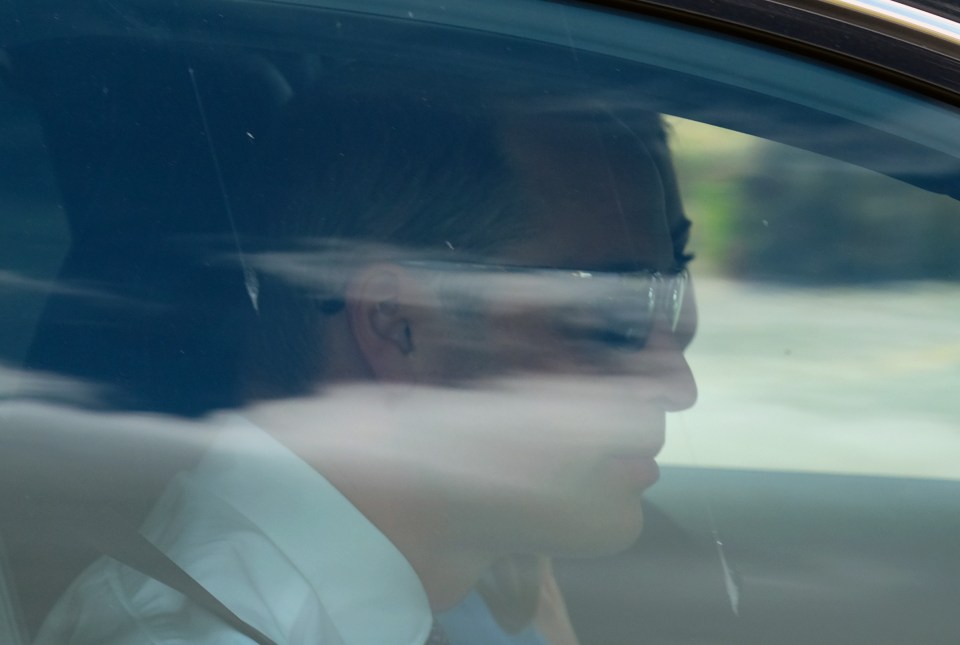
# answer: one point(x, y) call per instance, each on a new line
point(826, 31)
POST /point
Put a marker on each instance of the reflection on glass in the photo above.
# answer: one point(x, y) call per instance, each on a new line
point(359, 341)
point(454, 335)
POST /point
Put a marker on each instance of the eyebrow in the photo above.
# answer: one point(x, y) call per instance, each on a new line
point(680, 233)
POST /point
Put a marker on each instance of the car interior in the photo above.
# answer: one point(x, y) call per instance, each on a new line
point(125, 129)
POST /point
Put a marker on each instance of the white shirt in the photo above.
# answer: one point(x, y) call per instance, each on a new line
point(270, 538)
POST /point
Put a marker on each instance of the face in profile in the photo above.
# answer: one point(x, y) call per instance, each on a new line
point(566, 352)
point(516, 402)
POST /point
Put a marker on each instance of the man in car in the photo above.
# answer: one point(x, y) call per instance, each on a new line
point(461, 330)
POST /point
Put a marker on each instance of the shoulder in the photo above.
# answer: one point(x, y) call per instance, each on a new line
point(110, 604)
point(114, 604)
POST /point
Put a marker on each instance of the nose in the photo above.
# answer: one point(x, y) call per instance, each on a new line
point(679, 385)
point(672, 379)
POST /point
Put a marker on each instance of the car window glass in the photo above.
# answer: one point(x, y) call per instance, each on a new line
point(855, 251)
point(34, 235)
point(324, 298)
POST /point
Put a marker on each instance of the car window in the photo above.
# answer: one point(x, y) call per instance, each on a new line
point(525, 323)
point(849, 246)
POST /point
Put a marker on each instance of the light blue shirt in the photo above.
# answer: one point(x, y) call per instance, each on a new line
point(471, 623)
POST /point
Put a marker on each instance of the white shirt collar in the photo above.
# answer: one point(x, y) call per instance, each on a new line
point(368, 588)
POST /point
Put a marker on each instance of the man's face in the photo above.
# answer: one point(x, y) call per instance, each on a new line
point(567, 413)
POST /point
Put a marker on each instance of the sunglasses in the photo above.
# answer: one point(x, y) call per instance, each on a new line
point(616, 310)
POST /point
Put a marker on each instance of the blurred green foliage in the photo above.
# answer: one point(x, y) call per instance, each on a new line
point(767, 211)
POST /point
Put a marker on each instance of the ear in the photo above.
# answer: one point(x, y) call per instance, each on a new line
point(386, 309)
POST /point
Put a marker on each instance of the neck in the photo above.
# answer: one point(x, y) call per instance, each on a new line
point(368, 463)
point(447, 570)
point(447, 576)
point(414, 521)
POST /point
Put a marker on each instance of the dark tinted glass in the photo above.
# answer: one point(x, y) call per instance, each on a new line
point(367, 319)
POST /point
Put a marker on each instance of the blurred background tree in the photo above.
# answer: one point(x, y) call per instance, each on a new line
point(766, 211)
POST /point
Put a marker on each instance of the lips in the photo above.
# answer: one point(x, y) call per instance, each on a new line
point(639, 469)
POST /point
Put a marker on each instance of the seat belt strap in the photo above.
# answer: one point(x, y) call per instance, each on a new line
point(130, 548)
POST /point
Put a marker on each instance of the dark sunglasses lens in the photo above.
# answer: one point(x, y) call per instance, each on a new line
point(610, 324)
point(626, 322)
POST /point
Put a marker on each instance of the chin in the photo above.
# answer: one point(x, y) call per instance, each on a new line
point(597, 536)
